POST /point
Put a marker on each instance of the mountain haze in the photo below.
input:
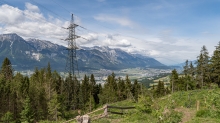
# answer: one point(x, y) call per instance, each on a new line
point(31, 53)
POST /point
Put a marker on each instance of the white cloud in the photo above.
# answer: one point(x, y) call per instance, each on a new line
point(31, 23)
point(123, 43)
point(152, 46)
point(116, 41)
point(31, 7)
point(166, 47)
point(154, 52)
point(166, 36)
point(123, 21)
point(10, 15)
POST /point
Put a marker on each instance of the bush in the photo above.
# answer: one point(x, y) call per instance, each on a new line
point(7, 117)
point(174, 117)
point(203, 113)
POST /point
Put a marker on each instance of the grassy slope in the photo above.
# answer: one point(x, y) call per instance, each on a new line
point(165, 109)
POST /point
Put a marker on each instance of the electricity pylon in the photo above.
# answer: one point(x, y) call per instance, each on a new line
point(71, 67)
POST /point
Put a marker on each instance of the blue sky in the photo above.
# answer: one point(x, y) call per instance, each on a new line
point(169, 30)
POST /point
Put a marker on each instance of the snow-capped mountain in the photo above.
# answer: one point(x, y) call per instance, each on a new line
point(31, 53)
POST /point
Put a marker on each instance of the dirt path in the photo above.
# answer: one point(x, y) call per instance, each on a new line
point(188, 114)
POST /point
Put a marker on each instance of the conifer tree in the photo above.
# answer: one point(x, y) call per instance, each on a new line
point(160, 91)
point(121, 93)
point(94, 90)
point(128, 86)
point(202, 65)
point(6, 75)
point(109, 91)
point(191, 69)
point(174, 80)
point(186, 68)
point(6, 69)
point(85, 90)
point(215, 65)
point(135, 90)
point(27, 115)
point(54, 108)
point(17, 94)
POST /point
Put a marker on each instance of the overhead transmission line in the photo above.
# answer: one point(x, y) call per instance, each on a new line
point(79, 25)
point(147, 41)
point(31, 16)
point(56, 14)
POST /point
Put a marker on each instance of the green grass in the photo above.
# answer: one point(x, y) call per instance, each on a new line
point(153, 110)
point(204, 120)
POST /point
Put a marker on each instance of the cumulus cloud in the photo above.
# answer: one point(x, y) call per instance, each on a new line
point(116, 41)
point(123, 21)
point(31, 23)
point(155, 47)
point(88, 39)
point(101, 39)
point(10, 15)
point(31, 7)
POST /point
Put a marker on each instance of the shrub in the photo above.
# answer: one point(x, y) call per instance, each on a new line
point(203, 113)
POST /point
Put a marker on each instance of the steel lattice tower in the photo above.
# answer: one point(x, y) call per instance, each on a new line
point(71, 65)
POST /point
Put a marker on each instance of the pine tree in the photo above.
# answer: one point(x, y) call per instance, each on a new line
point(85, 90)
point(186, 68)
point(191, 69)
point(128, 86)
point(109, 91)
point(6, 69)
point(27, 114)
point(121, 93)
point(215, 65)
point(6, 75)
point(135, 90)
point(54, 108)
point(94, 91)
point(174, 80)
point(76, 92)
point(92, 84)
point(38, 94)
point(202, 65)
point(17, 94)
point(4, 93)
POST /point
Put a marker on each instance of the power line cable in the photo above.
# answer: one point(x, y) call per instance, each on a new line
point(82, 27)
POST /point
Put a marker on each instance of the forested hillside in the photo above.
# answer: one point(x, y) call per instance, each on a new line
point(45, 95)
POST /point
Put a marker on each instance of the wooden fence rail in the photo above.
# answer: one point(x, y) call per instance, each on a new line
point(104, 114)
point(118, 107)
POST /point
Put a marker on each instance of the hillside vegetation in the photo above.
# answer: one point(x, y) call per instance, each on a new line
point(196, 106)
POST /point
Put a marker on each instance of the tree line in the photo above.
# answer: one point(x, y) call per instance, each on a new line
point(205, 73)
point(45, 95)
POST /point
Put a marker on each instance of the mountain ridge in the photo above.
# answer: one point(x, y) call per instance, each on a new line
point(31, 53)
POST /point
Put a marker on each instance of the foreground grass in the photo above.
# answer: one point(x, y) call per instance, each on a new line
point(176, 107)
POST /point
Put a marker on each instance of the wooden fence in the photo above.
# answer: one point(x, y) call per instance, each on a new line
point(80, 119)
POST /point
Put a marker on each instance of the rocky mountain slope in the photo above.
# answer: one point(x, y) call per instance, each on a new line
point(31, 53)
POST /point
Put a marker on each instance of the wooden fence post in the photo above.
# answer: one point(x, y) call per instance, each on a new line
point(106, 110)
point(197, 105)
